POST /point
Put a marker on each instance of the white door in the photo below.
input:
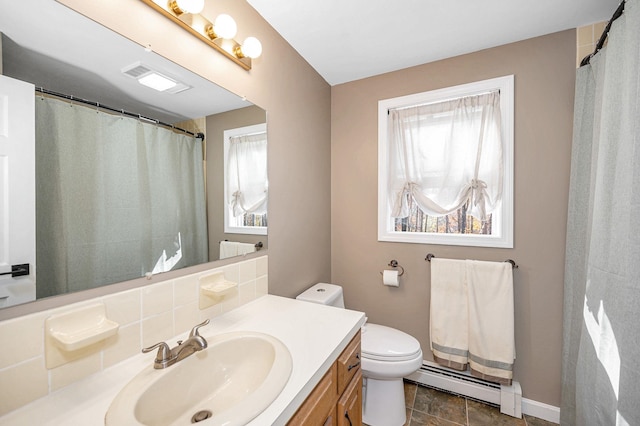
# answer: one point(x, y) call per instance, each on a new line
point(17, 192)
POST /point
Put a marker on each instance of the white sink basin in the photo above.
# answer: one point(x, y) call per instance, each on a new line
point(229, 383)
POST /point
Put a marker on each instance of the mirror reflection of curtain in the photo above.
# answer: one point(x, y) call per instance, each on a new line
point(600, 374)
point(116, 198)
point(247, 174)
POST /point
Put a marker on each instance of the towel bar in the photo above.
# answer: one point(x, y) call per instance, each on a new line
point(258, 245)
point(514, 265)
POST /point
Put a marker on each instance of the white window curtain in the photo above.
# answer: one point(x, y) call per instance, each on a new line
point(446, 155)
point(247, 184)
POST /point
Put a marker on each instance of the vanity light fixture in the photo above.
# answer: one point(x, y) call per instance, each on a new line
point(251, 48)
point(223, 27)
point(218, 34)
point(186, 6)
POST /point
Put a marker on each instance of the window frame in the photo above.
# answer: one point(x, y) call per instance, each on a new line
point(504, 219)
point(228, 227)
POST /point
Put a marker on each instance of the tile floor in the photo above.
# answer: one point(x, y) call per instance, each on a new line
point(426, 406)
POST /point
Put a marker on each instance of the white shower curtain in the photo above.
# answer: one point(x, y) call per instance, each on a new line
point(116, 197)
point(601, 344)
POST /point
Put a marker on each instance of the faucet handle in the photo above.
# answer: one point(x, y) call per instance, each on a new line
point(164, 352)
point(194, 330)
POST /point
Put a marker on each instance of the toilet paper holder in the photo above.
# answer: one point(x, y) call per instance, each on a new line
point(394, 264)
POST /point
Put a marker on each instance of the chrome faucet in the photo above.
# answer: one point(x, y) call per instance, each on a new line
point(166, 357)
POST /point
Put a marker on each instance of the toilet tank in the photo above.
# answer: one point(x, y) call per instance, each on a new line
point(325, 294)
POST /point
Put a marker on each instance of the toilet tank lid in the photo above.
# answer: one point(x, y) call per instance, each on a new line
point(381, 342)
point(323, 293)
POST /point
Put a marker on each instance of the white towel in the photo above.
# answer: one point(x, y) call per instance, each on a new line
point(491, 323)
point(449, 318)
point(228, 249)
point(245, 248)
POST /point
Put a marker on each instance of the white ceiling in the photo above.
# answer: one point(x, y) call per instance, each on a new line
point(346, 40)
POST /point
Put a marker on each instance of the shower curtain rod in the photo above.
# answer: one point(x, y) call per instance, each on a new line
point(198, 135)
point(618, 13)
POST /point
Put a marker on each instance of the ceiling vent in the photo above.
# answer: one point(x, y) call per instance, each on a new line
point(136, 70)
point(144, 73)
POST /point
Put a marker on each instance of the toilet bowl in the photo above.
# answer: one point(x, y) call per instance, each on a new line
point(387, 356)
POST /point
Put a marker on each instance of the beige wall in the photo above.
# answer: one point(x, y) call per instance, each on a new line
point(544, 70)
point(216, 125)
point(297, 101)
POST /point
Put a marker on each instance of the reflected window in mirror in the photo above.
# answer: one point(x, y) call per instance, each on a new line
point(246, 183)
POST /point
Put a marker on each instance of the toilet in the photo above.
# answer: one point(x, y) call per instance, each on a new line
point(387, 356)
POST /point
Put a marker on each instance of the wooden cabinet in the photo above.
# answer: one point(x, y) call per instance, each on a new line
point(348, 363)
point(350, 403)
point(337, 399)
point(320, 406)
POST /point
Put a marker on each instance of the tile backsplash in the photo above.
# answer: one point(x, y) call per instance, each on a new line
point(147, 315)
point(587, 38)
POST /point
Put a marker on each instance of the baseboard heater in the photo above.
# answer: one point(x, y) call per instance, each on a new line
point(508, 398)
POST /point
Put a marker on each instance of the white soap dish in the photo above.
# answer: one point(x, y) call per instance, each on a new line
point(80, 328)
point(218, 289)
point(215, 287)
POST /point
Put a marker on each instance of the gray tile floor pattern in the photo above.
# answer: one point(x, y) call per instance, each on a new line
point(426, 406)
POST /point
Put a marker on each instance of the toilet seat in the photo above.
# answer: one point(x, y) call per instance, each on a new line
point(383, 343)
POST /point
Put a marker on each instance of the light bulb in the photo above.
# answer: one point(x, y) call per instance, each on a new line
point(251, 48)
point(224, 26)
point(187, 6)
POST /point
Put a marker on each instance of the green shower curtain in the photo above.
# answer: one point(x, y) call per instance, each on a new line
point(116, 197)
point(601, 344)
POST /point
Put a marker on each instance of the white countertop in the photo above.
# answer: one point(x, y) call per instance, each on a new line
point(314, 334)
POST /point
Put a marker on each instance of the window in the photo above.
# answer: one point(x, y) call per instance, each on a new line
point(246, 185)
point(445, 166)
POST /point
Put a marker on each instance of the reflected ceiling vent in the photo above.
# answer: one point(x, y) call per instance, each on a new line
point(136, 70)
point(154, 79)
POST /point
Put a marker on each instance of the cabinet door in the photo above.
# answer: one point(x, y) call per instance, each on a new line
point(348, 363)
point(320, 407)
point(331, 419)
point(350, 404)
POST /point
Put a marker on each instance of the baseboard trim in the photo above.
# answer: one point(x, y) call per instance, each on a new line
point(541, 410)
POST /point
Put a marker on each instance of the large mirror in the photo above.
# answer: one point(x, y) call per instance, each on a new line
point(112, 192)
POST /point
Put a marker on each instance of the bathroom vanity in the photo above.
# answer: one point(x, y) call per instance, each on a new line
point(337, 399)
point(323, 342)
